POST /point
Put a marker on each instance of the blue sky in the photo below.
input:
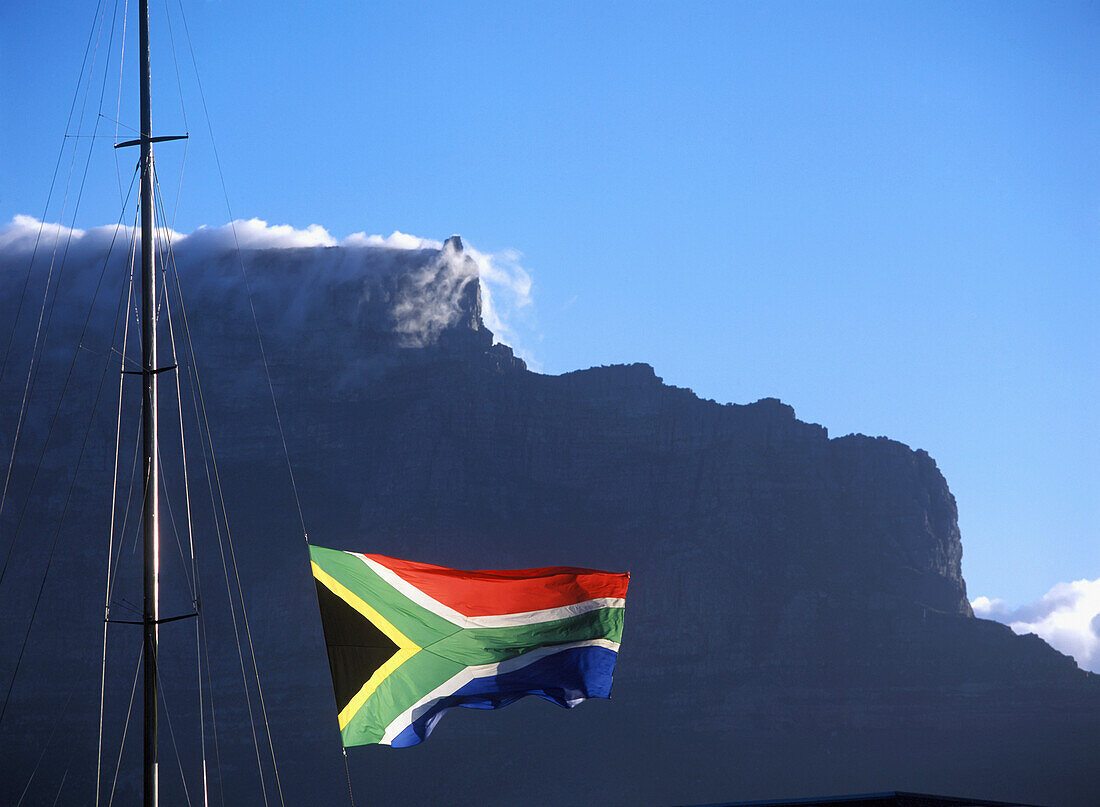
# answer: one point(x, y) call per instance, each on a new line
point(885, 214)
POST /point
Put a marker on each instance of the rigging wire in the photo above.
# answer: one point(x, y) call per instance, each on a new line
point(175, 64)
point(62, 785)
point(175, 532)
point(118, 123)
point(263, 352)
point(60, 401)
point(190, 529)
point(49, 741)
point(188, 573)
point(129, 606)
point(195, 598)
point(125, 727)
point(121, 62)
point(212, 483)
point(33, 368)
point(193, 380)
point(41, 337)
point(162, 691)
point(65, 775)
point(118, 99)
point(201, 624)
point(183, 110)
point(270, 386)
point(244, 274)
point(347, 773)
point(111, 526)
point(163, 248)
point(76, 471)
point(114, 567)
point(49, 196)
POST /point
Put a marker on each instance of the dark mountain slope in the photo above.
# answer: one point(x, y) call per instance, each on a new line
point(797, 624)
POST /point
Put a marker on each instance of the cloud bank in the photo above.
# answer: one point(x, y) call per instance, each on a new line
point(1067, 617)
point(506, 287)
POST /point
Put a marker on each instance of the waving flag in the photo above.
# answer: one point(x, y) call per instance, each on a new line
point(407, 641)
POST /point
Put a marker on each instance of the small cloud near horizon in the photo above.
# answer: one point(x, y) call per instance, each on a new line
point(1067, 617)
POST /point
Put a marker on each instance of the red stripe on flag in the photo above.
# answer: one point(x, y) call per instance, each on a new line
point(509, 591)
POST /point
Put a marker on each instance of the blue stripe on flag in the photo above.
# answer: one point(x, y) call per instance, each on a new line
point(572, 674)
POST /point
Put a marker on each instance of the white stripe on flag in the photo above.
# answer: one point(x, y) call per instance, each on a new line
point(452, 685)
point(493, 621)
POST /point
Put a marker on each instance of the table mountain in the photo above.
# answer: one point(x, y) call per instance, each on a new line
point(797, 625)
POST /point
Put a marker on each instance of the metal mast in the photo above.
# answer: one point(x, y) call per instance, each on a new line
point(150, 527)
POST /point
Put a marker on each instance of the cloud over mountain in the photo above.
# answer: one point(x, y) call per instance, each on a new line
point(420, 312)
point(1067, 617)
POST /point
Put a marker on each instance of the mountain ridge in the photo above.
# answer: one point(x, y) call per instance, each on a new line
point(797, 624)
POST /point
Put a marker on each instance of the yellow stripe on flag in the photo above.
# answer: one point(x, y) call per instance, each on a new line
point(406, 647)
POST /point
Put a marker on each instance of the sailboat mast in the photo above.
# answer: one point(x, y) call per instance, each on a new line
point(151, 538)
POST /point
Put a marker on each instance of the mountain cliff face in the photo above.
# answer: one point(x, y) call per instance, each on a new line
point(797, 624)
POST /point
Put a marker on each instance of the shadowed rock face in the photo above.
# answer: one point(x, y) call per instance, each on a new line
point(797, 623)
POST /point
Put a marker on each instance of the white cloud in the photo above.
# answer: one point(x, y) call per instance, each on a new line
point(505, 294)
point(1067, 617)
point(258, 234)
point(23, 231)
point(506, 287)
point(395, 240)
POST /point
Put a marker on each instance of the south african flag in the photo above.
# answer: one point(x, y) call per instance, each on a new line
point(407, 641)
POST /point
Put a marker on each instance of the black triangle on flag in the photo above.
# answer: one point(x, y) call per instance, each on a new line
point(356, 648)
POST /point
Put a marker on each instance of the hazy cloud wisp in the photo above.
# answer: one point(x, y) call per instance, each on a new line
point(506, 288)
